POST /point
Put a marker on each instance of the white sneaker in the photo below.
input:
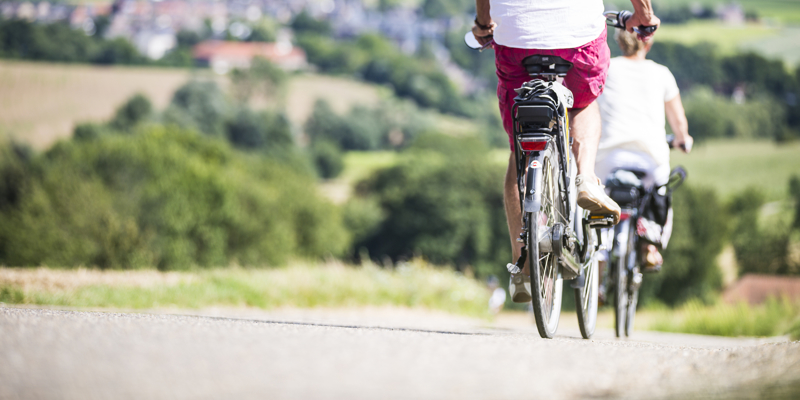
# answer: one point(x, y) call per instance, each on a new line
point(593, 198)
point(520, 288)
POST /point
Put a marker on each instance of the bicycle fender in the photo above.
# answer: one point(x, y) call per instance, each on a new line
point(533, 194)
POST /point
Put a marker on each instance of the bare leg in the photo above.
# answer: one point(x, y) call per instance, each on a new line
point(586, 128)
point(513, 211)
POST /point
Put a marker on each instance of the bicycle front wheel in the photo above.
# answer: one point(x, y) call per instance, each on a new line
point(633, 287)
point(546, 282)
point(586, 296)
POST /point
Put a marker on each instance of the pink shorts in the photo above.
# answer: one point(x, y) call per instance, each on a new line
point(585, 79)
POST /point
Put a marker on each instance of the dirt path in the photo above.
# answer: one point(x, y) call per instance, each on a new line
point(366, 354)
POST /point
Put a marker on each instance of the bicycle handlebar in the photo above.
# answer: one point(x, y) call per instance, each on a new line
point(620, 20)
point(671, 141)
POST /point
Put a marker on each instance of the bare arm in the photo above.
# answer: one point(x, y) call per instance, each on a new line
point(484, 18)
point(676, 117)
point(642, 15)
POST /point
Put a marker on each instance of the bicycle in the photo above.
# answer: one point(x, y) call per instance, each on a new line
point(625, 272)
point(560, 240)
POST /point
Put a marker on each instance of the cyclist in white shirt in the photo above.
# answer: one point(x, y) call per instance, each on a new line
point(638, 95)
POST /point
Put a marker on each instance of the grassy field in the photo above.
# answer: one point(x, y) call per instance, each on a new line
point(727, 38)
point(781, 42)
point(773, 318)
point(414, 284)
point(731, 166)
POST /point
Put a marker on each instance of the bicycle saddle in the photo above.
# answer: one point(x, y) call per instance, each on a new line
point(538, 64)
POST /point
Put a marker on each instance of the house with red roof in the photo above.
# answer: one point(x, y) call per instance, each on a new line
point(223, 56)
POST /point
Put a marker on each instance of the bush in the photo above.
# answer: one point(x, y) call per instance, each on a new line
point(167, 198)
point(442, 201)
point(765, 244)
point(328, 158)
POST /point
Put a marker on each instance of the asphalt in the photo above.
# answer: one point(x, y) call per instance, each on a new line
point(62, 354)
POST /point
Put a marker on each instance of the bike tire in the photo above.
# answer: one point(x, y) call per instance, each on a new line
point(620, 275)
point(633, 290)
point(586, 297)
point(546, 282)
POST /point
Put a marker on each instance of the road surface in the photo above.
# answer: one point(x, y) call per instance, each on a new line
point(61, 354)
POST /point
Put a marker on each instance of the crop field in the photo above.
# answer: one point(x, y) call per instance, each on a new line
point(41, 102)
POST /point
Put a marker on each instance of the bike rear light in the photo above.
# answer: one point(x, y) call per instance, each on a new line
point(533, 144)
point(623, 215)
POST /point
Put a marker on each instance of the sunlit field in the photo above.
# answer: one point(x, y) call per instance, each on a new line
point(42, 102)
point(729, 166)
point(772, 41)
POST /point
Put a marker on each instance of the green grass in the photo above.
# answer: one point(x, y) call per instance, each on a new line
point(774, 317)
point(414, 284)
point(729, 166)
point(360, 164)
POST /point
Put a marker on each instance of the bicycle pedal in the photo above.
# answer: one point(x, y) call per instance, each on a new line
point(600, 221)
point(652, 269)
point(513, 268)
point(636, 280)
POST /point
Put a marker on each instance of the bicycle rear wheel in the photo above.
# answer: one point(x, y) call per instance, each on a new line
point(546, 282)
point(619, 274)
point(586, 296)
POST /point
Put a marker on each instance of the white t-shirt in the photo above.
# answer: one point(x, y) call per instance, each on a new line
point(632, 108)
point(547, 24)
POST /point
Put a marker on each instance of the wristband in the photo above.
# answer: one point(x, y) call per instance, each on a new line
point(482, 26)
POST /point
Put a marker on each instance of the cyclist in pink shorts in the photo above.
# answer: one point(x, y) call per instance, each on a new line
point(574, 30)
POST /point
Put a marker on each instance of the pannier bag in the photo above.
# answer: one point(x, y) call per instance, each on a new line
point(655, 223)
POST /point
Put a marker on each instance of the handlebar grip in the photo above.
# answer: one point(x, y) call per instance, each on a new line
point(622, 22)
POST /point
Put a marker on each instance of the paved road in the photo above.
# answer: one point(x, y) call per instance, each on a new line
point(54, 354)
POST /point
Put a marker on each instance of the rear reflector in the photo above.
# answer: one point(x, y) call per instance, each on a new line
point(624, 215)
point(533, 145)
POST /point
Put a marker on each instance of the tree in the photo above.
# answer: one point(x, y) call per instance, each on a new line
point(202, 105)
point(442, 201)
point(137, 109)
point(259, 130)
point(262, 78)
point(305, 23)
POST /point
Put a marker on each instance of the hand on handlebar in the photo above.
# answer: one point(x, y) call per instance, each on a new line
point(483, 36)
point(684, 143)
point(638, 19)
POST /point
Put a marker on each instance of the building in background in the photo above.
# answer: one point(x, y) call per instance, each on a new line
point(223, 56)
